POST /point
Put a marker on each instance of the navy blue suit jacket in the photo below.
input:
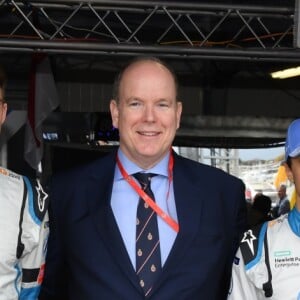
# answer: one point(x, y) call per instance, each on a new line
point(87, 258)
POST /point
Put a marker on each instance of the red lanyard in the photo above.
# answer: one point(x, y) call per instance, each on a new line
point(146, 197)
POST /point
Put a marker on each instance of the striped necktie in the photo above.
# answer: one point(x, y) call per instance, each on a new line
point(148, 261)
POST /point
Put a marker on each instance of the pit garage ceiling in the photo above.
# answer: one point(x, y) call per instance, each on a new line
point(223, 53)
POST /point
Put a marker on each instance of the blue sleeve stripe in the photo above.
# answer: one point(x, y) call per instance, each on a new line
point(261, 237)
point(17, 279)
point(30, 201)
point(30, 293)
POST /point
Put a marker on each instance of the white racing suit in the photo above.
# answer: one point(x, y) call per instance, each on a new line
point(24, 232)
point(267, 264)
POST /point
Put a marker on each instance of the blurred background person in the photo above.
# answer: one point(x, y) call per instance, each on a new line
point(283, 206)
point(260, 209)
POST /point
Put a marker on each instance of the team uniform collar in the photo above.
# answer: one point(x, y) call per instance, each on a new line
point(294, 221)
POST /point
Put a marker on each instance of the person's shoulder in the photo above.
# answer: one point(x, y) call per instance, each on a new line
point(286, 199)
point(13, 177)
point(253, 239)
point(275, 225)
point(252, 242)
point(11, 184)
point(29, 189)
point(8, 175)
point(83, 171)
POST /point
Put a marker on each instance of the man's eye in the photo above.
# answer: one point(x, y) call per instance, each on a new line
point(163, 104)
point(134, 103)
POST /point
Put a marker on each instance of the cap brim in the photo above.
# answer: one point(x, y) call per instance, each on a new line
point(295, 153)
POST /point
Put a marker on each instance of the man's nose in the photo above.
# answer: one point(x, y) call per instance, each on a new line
point(149, 113)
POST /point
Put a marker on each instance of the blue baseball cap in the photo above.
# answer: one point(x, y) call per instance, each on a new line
point(292, 143)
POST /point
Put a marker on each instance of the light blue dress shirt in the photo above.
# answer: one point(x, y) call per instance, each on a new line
point(124, 202)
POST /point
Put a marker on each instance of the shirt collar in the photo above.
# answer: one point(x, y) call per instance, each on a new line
point(160, 168)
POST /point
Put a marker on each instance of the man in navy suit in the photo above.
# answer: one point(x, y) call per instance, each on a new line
point(199, 210)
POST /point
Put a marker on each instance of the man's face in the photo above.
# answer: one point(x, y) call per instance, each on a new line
point(147, 113)
point(3, 108)
point(281, 192)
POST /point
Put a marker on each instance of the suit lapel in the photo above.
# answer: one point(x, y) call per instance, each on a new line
point(102, 216)
point(189, 207)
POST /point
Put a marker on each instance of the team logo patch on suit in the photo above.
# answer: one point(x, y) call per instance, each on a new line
point(250, 244)
point(40, 199)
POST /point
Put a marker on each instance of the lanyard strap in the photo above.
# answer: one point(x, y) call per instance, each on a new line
point(171, 222)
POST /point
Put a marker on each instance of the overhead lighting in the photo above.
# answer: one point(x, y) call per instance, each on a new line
point(287, 73)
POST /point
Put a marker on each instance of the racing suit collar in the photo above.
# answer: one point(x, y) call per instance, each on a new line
point(294, 221)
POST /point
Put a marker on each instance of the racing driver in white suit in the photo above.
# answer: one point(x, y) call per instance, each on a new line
point(267, 264)
point(23, 230)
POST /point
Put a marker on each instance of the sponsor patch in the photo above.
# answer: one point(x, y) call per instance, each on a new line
point(10, 174)
point(3, 171)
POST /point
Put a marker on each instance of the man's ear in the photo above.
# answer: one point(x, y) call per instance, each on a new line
point(178, 112)
point(114, 112)
point(3, 113)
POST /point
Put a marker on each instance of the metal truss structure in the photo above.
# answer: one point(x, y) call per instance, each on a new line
point(172, 29)
point(178, 30)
